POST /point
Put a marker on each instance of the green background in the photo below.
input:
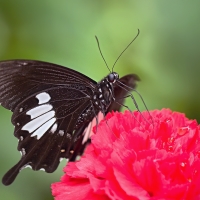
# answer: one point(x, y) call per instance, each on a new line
point(165, 56)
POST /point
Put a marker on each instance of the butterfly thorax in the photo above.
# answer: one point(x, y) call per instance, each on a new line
point(103, 96)
point(104, 93)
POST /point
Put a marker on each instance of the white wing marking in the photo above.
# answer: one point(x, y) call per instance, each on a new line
point(42, 130)
point(54, 128)
point(37, 122)
point(43, 97)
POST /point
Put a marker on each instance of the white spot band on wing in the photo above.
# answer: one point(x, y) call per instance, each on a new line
point(37, 122)
point(42, 130)
point(39, 110)
point(43, 97)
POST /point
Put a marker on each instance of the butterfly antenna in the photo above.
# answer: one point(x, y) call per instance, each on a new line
point(126, 48)
point(101, 53)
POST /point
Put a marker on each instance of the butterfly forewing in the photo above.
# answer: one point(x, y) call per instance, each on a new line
point(21, 78)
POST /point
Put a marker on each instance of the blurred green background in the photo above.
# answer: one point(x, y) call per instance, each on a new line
point(165, 56)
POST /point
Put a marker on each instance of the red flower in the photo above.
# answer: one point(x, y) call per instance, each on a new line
point(130, 158)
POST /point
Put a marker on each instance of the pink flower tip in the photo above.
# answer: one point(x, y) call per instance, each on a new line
point(134, 156)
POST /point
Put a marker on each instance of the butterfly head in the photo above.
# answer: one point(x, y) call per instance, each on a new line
point(113, 77)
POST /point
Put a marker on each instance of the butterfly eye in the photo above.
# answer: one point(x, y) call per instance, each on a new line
point(111, 77)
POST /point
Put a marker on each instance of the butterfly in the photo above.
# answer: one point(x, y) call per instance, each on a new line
point(52, 107)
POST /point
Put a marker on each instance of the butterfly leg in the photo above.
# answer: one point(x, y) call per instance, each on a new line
point(137, 107)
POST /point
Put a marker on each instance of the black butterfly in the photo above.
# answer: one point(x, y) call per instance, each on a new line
point(52, 106)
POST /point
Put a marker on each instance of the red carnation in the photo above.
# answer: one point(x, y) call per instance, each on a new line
point(130, 158)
